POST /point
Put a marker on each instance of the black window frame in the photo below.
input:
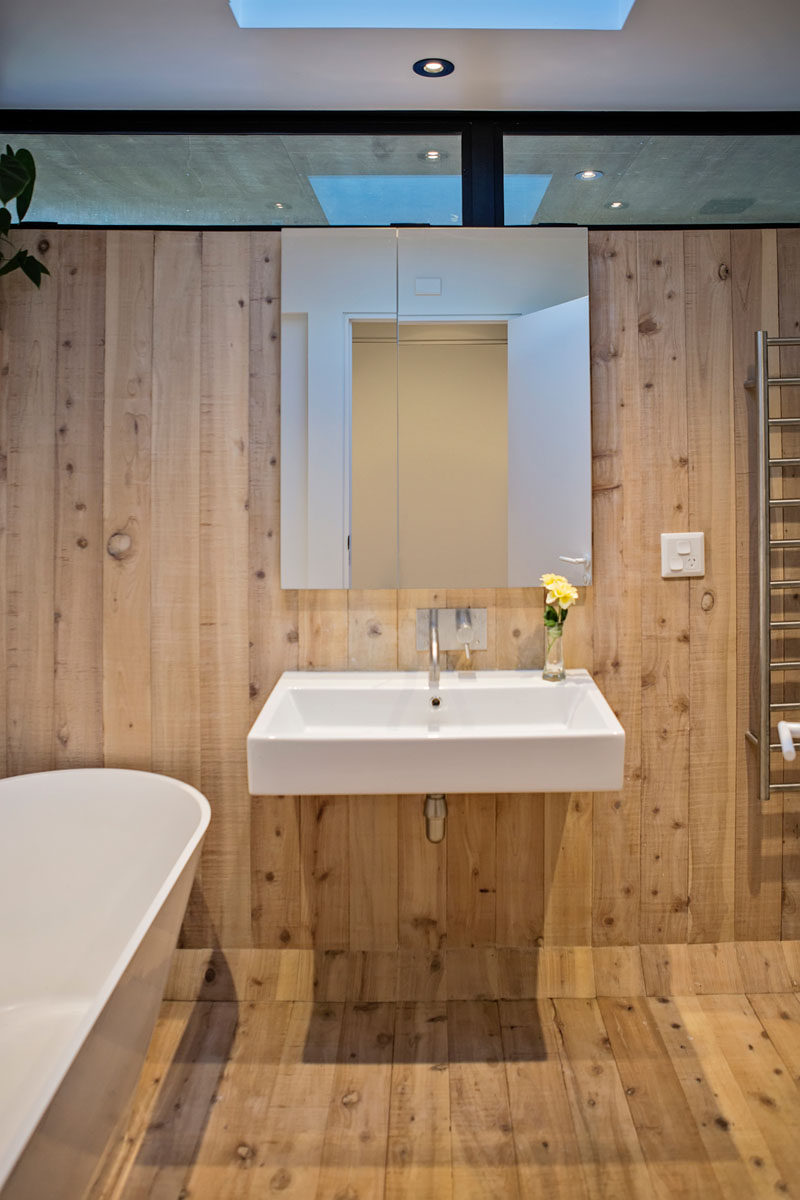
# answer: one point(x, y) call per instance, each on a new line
point(481, 135)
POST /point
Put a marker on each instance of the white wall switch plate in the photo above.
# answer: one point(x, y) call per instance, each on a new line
point(682, 554)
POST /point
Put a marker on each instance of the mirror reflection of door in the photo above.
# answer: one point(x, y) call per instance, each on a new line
point(435, 414)
point(448, 515)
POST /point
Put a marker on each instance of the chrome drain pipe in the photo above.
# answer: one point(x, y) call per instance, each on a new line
point(435, 813)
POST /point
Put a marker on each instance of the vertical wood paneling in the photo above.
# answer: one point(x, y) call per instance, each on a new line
point(372, 839)
point(273, 612)
point(126, 500)
point(175, 521)
point(617, 537)
point(568, 869)
point(32, 334)
point(275, 820)
point(759, 826)
point(322, 622)
point(224, 613)
point(519, 628)
point(520, 876)
point(195, 628)
point(471, 871)
point(175, 507)
point(325, 870)
point(665, 603)
point(712, 599)
point(79, 550)
point(372, 630)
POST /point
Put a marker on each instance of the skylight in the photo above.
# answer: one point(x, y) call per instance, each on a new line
point(389, 199)
point(432, 14)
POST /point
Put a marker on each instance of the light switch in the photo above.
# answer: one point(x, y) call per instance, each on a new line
point(682, 554)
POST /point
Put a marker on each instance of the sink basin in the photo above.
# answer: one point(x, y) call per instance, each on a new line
point(324, 733)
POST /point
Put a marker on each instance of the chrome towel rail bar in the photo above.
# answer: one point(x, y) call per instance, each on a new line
point(766, 584)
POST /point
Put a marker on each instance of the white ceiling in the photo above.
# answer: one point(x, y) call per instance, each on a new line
point(190, 54)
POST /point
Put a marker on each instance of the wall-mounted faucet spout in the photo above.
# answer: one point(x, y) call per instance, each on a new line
point(462, 629)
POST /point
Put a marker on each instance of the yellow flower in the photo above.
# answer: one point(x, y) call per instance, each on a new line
point(559, 591)
point(565, 595)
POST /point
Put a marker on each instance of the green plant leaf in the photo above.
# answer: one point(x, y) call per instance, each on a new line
point(34, 269)
point(5, 221)
point(14, 176)
point(12, 264)
point(25, 159)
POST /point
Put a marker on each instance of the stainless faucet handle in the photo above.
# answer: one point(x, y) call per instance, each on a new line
point(464, 631)
point(457, 628)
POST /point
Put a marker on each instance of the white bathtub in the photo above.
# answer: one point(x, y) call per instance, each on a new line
point(95, 871)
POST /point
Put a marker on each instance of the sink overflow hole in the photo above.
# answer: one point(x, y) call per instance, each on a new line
point(435, 702)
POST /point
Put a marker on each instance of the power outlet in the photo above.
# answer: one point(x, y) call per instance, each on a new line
point(682, 554)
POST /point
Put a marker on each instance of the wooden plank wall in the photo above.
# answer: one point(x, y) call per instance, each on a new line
point(142, 622)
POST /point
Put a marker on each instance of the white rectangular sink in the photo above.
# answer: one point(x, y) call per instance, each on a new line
point(328, 733)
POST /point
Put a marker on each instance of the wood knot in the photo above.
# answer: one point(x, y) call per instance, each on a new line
point(43, 245)
point(244, 1151)
point(648, 325)
point(350, 1099)
point(119, 545)
point(707, 602)
point(280, 1180)
point(723, 270)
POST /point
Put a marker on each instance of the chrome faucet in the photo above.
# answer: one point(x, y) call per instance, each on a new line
point(464, 632)
point(462, 629)
point(433, 662)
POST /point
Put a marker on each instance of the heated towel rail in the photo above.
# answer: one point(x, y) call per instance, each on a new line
point(766, 547)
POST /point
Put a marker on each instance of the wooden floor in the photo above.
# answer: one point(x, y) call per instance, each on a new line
point(641, 1095)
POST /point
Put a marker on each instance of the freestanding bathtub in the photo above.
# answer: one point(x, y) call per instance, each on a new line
point(95, 871)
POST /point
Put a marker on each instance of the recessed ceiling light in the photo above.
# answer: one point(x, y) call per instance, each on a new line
point(589, 173)
point(432, 155)
point(433, 68)
point(617, 204)
point(279, 205)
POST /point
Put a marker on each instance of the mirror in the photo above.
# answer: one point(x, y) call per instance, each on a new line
point(435, 419)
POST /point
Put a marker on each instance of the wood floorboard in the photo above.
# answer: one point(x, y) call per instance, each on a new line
point(572, 1097)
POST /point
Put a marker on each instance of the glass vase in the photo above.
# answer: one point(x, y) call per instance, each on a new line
point(554, 653)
